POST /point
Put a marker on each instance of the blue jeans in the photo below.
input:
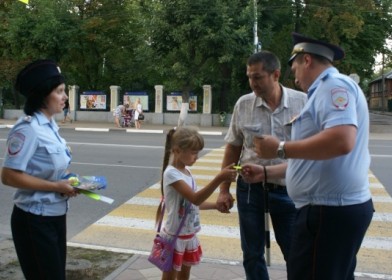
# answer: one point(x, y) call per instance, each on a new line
point(250, 202)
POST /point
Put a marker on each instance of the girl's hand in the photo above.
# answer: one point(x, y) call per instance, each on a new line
point(224, 211)
point(229, 173)
point(252, 173)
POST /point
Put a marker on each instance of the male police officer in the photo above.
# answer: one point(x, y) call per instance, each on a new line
point(327, 173)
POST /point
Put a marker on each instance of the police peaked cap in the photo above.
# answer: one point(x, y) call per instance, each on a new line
point(304, 44)
point(35, 74)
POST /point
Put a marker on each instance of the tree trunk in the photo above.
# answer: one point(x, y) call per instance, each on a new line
point(224, 90)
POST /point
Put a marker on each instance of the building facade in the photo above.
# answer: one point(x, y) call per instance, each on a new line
point(380, 93)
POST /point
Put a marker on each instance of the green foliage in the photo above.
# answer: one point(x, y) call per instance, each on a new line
point(182, 44)
point(200, 42)
point(359, 26)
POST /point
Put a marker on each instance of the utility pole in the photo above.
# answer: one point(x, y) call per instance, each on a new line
point(255, 37)
point(382, 84)
point(103, 65)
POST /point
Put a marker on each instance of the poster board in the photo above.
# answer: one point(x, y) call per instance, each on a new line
point(131, 97)
point(174, 102)
point(93, 100)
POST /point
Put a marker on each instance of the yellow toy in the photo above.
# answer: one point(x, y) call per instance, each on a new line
point(74, 181)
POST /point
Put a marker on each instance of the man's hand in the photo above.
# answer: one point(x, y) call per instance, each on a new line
point(252, 173)
point(225, 201)
point(266, 147)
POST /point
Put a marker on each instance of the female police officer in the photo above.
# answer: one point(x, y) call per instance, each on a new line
point(35, 162)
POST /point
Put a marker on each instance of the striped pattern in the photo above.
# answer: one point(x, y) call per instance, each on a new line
point(130, 227)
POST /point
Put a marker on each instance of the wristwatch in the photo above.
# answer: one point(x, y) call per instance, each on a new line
point(280, 152)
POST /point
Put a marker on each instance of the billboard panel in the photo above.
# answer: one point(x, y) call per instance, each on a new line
point(131, 97)
point(93, 100)
point(174, 102)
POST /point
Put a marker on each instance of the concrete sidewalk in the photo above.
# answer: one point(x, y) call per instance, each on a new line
point(139, 268)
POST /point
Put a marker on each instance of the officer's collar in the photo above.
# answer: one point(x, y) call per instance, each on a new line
point(322, 77)
point(42, 119)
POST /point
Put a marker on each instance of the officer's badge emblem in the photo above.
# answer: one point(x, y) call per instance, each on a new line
point(339, 98)
point(15, 143)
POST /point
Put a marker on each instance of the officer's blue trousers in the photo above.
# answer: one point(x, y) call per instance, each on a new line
point(40, 244)
point(326, 240)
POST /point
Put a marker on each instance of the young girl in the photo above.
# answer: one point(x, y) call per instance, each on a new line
point(179, 190)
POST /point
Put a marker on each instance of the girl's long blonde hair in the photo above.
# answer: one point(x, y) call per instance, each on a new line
point(184, 138)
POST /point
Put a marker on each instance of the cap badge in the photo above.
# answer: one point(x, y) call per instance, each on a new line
point(297, 50)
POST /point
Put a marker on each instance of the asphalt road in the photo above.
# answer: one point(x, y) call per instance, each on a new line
point(132, 163)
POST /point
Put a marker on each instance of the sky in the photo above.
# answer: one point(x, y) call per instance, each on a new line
point(378, 65)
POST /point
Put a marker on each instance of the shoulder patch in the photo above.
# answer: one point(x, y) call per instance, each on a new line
point(15, 143)
point(339, 98)
point(27, 119)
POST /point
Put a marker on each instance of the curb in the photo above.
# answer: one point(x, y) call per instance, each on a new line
point(123, 267)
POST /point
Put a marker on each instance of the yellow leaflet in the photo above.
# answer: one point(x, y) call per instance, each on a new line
point(90, 194)
point(25, 1)
point(96, 196)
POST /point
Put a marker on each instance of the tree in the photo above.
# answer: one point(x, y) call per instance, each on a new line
point(360, 27)
point(200, 42)
point(25, 35)
point(89, 39)
point(181, 44)
point(106, 44)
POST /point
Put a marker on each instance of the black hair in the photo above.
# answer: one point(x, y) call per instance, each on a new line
point(36, 100)
point(269, 60)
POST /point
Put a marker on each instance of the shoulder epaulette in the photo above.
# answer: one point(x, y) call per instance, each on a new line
point(27, 118)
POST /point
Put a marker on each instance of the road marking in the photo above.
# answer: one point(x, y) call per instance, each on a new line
point(157, 131)
point(376, 185)
point(382, 199)
point(384, 243)
point(92, 129)
point(211, 133)
point(115, 165)
point(381, 156)
point(116, 145)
